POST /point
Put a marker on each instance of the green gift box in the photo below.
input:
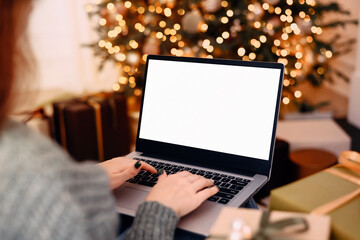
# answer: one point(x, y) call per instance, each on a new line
point(321, 188)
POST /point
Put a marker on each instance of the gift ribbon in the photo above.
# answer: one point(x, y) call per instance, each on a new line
point(351, 161)
point(62, 126)
point(268, 229)
point(99, 132)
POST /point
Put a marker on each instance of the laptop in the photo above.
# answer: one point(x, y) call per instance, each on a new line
point(212, 117)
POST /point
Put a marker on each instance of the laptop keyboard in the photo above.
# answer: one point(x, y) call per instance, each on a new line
point(229, 185)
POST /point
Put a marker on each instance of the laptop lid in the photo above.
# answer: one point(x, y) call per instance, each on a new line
point(216, 113)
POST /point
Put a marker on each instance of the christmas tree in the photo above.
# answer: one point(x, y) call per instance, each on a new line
point(287, 32)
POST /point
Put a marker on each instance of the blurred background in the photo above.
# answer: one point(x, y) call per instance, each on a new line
point(87, 47)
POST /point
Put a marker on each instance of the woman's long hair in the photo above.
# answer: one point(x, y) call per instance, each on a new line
point(14, 16)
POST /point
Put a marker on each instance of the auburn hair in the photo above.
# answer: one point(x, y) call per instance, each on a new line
point(13, 20)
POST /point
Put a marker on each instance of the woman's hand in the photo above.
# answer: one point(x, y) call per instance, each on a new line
point(183, 191)
point(122, 169)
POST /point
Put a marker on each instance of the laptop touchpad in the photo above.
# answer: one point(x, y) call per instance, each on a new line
point(130, 198)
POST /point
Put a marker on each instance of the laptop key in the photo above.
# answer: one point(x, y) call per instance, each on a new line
point(153, 180)
point(207, 176)
point(225, 180)
point(226, 185)
point(236, 187)
point(238, 183)
point(133, 180)
point(217, 183)
point(224, 195)
point(213, 198)
point(223, 201)
point(230, 191)
point(216, 178)
point(146, 183)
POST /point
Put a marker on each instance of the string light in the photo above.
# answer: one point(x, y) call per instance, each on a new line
point(219, 40)
point(102, 43)
point(225, 35)
point(328, 54)
point(162, 28)
point(265, 6)
point(286, 83)
point(141, 10)
point(88, 7)
point(298, 55)
point(284, 36)
point(151, 8)
point(127, 4)
point(297, 94)
point(320, 70)
point(286, 100)
point(257, 24)
point(251, 7)
point(224, 20)
point(277, 42)
point(102, 21)
point(241, 51)
point(181, 11)
point(278, 10)
point(167, 12)
point(224, 4)
point(230, 13)
point(263, 38)
point(293, 74)
point(204, 27)
point(116, 87)
point(110, 6)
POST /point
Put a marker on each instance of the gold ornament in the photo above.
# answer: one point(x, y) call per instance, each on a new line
point(192, 21)
point(211, 6)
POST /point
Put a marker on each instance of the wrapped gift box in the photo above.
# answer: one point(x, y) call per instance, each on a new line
point(94, 127)
point(321, 188)
point(318, 226)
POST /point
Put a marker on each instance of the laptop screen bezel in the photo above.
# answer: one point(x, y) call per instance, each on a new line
point(229, 162)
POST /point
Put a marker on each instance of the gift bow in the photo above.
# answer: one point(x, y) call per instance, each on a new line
point(351, 161)
point(268, 229)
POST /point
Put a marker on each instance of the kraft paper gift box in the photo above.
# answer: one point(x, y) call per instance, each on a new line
point(318, 227)
point(334, 191)
point(94, 127)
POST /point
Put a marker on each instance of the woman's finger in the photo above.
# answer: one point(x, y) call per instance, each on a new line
point(147, 167)
point(183, 174)
point(206, 193)
point(162, 175)
point(192, 177)
point(202, 183)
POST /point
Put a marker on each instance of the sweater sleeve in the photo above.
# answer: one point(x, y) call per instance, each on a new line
point(45, 195)
point(153, 221)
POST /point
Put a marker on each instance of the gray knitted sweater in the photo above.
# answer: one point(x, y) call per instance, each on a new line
point(46, 195)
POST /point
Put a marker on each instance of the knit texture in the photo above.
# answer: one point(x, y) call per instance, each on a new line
point(153, 221)
point(44, 194)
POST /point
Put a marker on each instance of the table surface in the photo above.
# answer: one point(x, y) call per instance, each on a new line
point(314, 133)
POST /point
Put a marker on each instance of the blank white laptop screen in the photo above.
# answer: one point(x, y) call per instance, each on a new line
point(223, 108)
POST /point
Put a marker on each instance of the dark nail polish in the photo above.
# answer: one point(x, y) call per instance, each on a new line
point(137, 164)
point(160, 172)
point(217, 187)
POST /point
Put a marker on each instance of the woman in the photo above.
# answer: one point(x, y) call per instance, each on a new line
point(46, 195)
